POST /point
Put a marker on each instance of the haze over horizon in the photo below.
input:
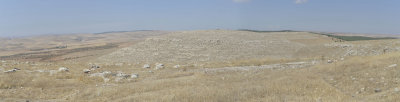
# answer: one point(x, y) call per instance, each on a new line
point(33, 17)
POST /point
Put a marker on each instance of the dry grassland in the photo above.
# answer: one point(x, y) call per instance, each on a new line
point(305, 76)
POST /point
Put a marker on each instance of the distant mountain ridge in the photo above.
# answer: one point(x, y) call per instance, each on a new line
point(122, 31)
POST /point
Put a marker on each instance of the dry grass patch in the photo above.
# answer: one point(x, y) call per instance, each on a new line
point(365, 77)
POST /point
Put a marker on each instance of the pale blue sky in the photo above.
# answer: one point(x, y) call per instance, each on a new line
point(33, 17)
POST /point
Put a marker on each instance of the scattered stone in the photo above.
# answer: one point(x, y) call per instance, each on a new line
point(134, 76)
point(106, 79)
point(95, 66)
point(296, 63)
point(12, 70)
point(314, 62)
point(119, 64)
point(378, 90)
point(177, 66)
point(106, 72)
point(330, 61)
point(86, 71)
point(40, 71)
point(52, 72)
point(92, 69)
point(9, 71)
point(146, 66)
point(118, 78)
point(122, 75)
point(159, 66)
point(102, 74)
point(396, 89)
point(63, 69)
point(319, 99)
point(393, 65)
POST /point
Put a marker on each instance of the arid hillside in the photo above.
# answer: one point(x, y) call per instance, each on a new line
point(219, 45)
point(62, 47)
point(199, 66)
point(199, 47)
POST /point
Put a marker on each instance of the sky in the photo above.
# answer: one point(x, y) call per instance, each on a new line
point(35, 17)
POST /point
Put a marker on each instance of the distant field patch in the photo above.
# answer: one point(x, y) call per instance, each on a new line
point(354, 38)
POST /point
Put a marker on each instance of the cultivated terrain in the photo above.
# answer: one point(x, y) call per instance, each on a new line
point(200, 66)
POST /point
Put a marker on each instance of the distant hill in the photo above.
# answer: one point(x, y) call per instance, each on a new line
point(268, 31)
point(121, 31)
point(353, 37)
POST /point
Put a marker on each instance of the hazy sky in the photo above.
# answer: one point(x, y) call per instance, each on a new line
point(32, 17)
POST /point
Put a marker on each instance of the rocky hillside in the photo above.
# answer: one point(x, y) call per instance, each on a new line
point(217, 45)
